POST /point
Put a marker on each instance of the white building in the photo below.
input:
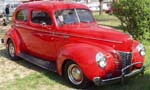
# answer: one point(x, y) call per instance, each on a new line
point(12, 5)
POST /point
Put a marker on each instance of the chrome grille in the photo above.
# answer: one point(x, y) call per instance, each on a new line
point(126, 59)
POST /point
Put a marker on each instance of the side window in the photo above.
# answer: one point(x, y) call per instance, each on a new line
point(39, 17)
point(22, 15)
point(66, 16)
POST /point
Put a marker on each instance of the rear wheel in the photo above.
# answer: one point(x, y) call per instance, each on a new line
point(12, 50)
point(74, 75)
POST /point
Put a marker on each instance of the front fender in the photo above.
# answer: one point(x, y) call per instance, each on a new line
point(84, 56)
point(136, 56)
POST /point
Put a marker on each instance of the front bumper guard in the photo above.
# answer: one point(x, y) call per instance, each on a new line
point(98, 81)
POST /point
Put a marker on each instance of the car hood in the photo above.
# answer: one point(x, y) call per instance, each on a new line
point(101, 34)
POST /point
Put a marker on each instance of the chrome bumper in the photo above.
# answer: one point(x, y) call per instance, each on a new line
point(98, 81)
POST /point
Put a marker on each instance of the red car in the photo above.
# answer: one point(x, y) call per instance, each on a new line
point(64, 38)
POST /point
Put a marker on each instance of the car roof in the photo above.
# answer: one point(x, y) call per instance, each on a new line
point(53, 5)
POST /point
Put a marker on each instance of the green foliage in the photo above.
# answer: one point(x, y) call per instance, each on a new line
point(134, 16)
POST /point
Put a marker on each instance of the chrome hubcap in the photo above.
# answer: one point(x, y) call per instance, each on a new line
point(75, 74)
point(11, 50)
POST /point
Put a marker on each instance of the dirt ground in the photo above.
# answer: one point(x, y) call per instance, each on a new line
point(9, 69)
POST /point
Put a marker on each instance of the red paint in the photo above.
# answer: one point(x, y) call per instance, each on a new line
point(77, 42)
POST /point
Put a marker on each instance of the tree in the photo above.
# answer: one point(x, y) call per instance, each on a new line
point(100, 6)
point(115, 1)
point(134, 16)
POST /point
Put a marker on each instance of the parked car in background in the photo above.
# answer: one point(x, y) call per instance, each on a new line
point(95, 6)
point(64, 38)
point(1, 9)
point(1, 12)
point(80, 1)
point(110, 10)
point(12, 7)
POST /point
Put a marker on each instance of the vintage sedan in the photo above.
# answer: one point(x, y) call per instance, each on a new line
point(64, 38)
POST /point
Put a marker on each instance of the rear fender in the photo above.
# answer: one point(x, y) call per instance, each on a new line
point(13, 35)
point(85, 56)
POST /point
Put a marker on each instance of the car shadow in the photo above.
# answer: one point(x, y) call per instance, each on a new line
point(51, 75)
point(136, 83)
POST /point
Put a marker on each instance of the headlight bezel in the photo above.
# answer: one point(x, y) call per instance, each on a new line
point(101, 60)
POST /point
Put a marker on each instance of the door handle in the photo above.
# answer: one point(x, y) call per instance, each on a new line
point(66, 36)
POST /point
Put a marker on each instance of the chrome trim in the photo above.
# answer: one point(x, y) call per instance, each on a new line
point(126, 59)
point(123, 69)
point(77, 16)
point(75, 75)
point(90, 38)
point(124, 52)
point(98, 81)
point(28, 27)
point(101, 39)
point(11, 50)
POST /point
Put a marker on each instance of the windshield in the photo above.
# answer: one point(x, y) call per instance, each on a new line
point(71, 16)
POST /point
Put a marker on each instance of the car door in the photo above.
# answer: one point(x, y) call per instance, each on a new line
point(40, 40)
point(20, 24)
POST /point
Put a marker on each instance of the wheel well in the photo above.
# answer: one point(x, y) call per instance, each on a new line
point(63, 65)
point(7, 42)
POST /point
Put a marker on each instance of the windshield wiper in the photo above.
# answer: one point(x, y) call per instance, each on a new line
point(71, 23)
point(85, 21)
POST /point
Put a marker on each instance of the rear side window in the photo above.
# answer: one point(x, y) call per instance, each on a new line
point(22, 15)
point(40, 16)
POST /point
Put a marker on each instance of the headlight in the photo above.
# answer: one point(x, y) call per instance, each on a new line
point(101, 60)
point(141, 50)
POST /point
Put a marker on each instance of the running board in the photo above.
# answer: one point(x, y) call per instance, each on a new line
point(51, 66)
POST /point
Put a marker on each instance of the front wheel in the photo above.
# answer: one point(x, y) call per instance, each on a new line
point(12, 50)
point(74, 75)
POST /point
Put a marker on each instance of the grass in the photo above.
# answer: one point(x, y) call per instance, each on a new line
point(107, 20)
point(37, 81)
point(44, 80)
point(2, 32)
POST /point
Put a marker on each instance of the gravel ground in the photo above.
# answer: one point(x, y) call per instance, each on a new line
point(10, 70)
